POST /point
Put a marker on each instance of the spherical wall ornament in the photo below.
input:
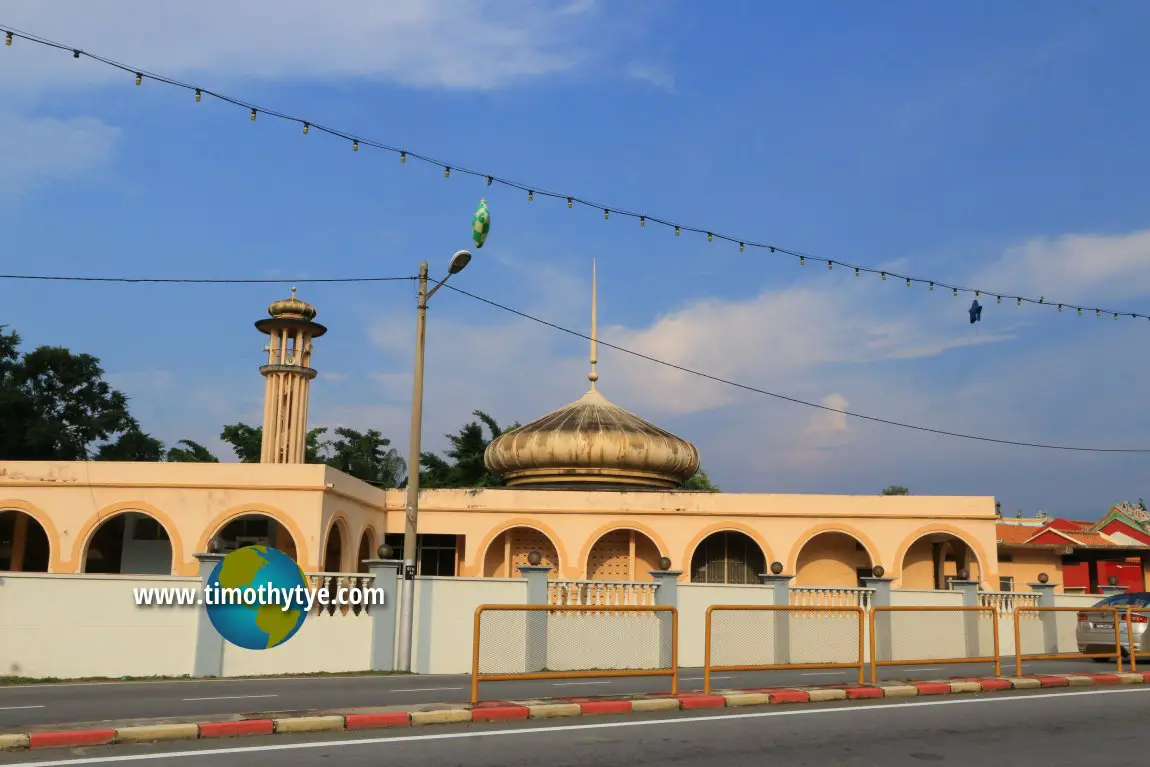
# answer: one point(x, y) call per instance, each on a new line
point(480, 224)
point(878, 571)
point(1112, 580)
point(385, 552)
point(964, 575)
point(777, 568)
point(664, 563)
point(534, 558)
point(214, 546)
point(1043, 578)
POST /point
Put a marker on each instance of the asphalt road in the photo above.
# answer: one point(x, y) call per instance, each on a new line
point(1098, 728)
point(52, 704)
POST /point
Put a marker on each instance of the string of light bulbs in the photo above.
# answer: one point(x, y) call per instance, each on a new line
point(11, 34)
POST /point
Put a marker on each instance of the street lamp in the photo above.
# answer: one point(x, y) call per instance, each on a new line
point(459, 262)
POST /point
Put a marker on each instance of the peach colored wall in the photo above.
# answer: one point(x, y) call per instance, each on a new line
point(1028, 564)
point(193, 501)
point(678, 521)
point(830, 559)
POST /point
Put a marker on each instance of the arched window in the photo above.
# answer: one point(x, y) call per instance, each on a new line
point(24, 545)
point(130, 542)
point(728, 557)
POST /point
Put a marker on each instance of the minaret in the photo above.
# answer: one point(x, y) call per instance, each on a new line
point(288, 373)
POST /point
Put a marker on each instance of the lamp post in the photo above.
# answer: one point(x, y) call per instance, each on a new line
point(407, 594)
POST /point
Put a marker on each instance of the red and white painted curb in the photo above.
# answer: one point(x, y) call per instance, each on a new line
point(508, 711)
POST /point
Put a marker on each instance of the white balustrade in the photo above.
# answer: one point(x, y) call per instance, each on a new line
point(356, 585)
point(831, 596)
point(607, 593)
point(1005, 602)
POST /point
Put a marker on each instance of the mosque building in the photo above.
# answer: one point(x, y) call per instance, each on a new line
point(596, 489)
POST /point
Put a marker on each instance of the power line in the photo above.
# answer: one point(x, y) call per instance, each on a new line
point(198, 281)
point(356, 142)
point(793, 400)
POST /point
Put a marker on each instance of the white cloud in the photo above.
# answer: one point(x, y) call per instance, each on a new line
point(39, 150)
point(473, 44)
point(652, 74)
point(1075, 267)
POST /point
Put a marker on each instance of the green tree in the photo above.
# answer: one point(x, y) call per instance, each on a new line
point(56, 405)
point(246, 443)
point(190, 452)
point(462, 464)
point(896, 490)
point(132, 445)
point(367, 456)
point(700, 481)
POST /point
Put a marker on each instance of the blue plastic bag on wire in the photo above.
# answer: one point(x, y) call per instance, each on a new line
point(975, 312)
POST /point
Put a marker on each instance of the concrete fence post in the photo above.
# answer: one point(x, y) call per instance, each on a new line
point(209, 656)
point(667, 582)
point(1048, 620)
point(884, 642)
point(536, 576)
point(970, 623)
point(536, 620)
point(386, 577)
point(780, 586)
point(666, 594)
point(1112, 591)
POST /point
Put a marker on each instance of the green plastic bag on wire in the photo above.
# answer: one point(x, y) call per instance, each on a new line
point(480, 224)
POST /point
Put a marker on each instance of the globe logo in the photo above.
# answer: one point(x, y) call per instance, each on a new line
point(257, 597)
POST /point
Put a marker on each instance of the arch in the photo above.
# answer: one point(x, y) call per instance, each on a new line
point(296, 536)
point(25, 546)
point(334, 545)
point(834, 555)
point(366, 549)
point(534, 524)
point(728, 556)
point(622, 553)
point(128, 540)
point(610, 527)
point(41, 516)
point(729, 527)
point(510, 547)
point(928, 567)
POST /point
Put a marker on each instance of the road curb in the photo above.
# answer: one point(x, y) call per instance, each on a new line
point(502, 711)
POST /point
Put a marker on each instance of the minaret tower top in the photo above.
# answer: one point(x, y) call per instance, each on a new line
point(290, 327)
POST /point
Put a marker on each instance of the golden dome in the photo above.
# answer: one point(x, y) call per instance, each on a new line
point(592, 442)
point(292, 308)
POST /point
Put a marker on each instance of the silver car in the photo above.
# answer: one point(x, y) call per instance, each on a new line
point(1095, 632)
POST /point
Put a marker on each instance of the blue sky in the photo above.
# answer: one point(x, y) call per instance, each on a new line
point(997, 146)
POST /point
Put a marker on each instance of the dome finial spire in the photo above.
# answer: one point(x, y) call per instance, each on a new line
point(593, 376)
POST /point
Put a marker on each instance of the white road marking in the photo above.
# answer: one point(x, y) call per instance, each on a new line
point(233, 697)
point(17, 708)
point(700, 679)
point(677, 721)
point(925, 668)
point(823, 673)
point(427, 689)
point(575, 684)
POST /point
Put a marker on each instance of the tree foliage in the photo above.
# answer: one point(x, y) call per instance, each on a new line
point(700, 481)
point(462, 463)
point(896, 490)
point(56, 405)
point(187, 451)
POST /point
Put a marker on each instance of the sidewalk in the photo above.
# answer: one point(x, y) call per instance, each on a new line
point(154, 730)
